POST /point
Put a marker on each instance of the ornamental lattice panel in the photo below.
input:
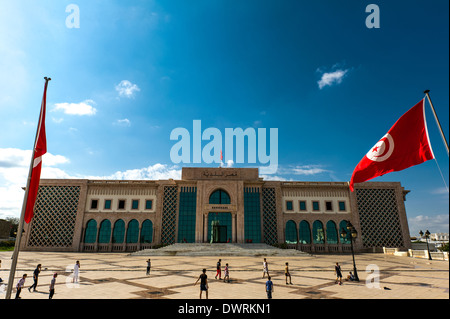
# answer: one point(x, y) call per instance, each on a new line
point(270, 216)
point(169, 216)
point(379, 217)
point(54, 218)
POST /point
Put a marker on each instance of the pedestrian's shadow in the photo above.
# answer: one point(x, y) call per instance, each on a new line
point(40, 292)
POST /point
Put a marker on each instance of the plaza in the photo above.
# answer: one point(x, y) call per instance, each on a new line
point(184, 226)
point(123, 276)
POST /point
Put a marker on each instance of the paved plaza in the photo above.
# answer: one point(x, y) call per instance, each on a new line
point(123, 276)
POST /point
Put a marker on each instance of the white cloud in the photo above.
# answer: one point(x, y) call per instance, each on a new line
point(127, 89)
point(152, 172)
point(330, 78)
point(308, 170)
point(434, 223)
point(14, 165)
point(229, 163)
point(274, 178)
point(17, 158)
point(440, 191)
point(82, 108)
point(57, 120)
point(124, 122)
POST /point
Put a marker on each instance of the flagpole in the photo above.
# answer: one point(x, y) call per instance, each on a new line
point(437, 120)
point(15, 255)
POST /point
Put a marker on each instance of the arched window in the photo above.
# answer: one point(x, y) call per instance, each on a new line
point(219, 197)
point(133, 231)
point(332, 234)
point(291, 232)
point(343, 225)
point(118, 232)
point(147, 231)
point(104, 233)
point(318, 234)
point(90, 236)
point(304, 232)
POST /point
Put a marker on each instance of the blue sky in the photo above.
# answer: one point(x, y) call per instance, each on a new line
point(133, 71)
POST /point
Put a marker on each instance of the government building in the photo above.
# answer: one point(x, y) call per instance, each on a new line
point(215, 205)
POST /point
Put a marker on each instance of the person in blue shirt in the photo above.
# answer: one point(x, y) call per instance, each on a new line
point(269, 288)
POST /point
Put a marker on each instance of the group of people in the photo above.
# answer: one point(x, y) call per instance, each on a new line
point(21, 283)
point(269, 283)
point(226, 277)
point(203, 278)
point(338, 272)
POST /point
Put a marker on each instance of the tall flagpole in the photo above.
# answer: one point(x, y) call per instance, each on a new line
point(437, 120)
point(15, 255)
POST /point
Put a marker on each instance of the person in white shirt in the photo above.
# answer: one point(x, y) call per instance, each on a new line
point(20, 285)
point(265, 268)
point(76, 270)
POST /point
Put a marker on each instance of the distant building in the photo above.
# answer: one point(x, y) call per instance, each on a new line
point(439, 237)
point(215, 205)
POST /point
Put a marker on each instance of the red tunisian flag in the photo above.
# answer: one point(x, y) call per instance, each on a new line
point(40, 148)
point(406, 144)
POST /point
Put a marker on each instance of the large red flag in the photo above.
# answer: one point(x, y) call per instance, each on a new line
point(406, 144)
point(40, 148)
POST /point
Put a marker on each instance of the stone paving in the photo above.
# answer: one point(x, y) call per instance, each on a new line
point(123, 276)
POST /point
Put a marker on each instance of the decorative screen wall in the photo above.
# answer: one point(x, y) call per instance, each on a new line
point(169, 215)
point(270, 215)
point(379, 218)
point(54, 218)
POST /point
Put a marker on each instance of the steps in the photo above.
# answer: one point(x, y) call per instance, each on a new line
point(218, 250)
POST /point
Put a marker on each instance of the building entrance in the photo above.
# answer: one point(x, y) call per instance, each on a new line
point(219, 228)
point(219, 234)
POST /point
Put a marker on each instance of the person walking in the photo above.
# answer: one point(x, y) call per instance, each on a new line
point(149, 265)
point(20, 285)
point(203, 283)
point(337, 270)
point(265, 268)
point(35, 278)
point(226, 278)
point(269, 287)
point(219, 269)
point(287, 274)
point(76, 270)
point(52, 286)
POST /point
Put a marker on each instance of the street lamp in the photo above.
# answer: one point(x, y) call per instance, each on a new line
point(427, 235)
point(354, 234)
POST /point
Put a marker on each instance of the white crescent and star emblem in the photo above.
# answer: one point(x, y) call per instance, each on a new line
point(382, 150)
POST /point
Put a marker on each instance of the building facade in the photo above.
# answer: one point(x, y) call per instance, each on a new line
point(210, 205)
